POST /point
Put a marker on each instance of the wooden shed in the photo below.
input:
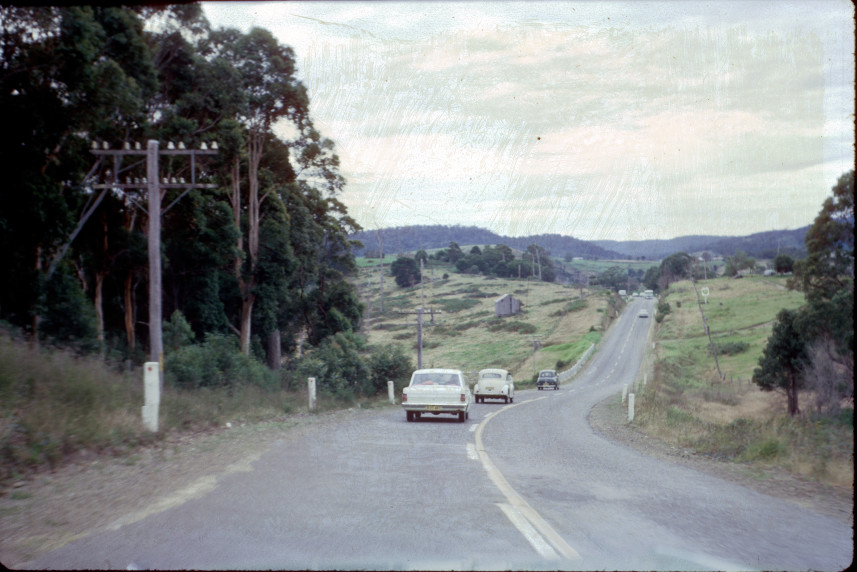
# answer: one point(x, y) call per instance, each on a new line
point(506, 305)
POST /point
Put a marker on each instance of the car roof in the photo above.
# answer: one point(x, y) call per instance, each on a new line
point(438, 370)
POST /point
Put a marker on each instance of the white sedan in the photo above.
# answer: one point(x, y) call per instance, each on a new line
point(437, 391)
point(494, 384)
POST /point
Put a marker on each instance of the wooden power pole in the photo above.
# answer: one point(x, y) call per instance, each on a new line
point(153, 185)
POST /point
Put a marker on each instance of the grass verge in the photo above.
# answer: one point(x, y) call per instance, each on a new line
point(688, 405)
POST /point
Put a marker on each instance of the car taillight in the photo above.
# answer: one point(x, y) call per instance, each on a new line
point(462, 398)
point(404, 397)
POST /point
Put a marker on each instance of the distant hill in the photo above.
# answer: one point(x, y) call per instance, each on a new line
point(759, 245)
point(412, 238)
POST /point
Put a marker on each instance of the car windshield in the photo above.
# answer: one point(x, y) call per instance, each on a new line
point(432, 378)
point(547, 374)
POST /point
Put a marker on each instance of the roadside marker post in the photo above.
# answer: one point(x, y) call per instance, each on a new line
point(391, 392)
point(630, 407)
point(151, 394)
point(311, 391)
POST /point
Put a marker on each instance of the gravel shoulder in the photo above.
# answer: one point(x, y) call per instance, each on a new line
point(610, 420)
point(95, 493)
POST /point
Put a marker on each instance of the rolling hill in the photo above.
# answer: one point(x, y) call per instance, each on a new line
point(412, 238)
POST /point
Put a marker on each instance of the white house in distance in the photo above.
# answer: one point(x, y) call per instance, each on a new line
point(506, 305)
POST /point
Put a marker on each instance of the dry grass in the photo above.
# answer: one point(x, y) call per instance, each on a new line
point(688, 405)
point(468, 337)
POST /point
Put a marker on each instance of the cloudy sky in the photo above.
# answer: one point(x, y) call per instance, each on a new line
point(598, 120)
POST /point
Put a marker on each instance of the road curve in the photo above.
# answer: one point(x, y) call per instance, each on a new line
point(523, 486)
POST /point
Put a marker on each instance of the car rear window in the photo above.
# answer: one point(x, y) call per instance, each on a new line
point(490, 376)
point(435, 379)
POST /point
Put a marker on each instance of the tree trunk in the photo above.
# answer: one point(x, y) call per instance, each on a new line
point(792, 395)
point(34, 340)
point(99, 310)
point(254, 156)
point(274, 350)
point(130, 313)
point(246, 315)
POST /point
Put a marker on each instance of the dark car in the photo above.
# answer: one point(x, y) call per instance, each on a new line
point(548, 378)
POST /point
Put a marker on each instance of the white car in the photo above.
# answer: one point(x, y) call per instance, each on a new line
point(643, 313)
point(437, 391)
point(494, 384)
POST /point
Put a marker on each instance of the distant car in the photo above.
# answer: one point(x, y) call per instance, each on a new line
point(437, 391)
point(643, 313)
point(548, 378)
point(494, 384)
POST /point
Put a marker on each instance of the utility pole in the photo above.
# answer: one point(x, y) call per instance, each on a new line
point(419, 312)
point(153, 186)
point(380, 270)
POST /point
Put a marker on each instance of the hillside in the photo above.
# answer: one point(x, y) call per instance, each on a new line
point(758, 245)
point(467, 335)
point(412, 238)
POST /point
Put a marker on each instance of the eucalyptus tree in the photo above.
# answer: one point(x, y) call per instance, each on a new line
point(266, 74)
point(67, 76)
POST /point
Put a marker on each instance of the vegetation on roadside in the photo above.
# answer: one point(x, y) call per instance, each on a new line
point(775, 342)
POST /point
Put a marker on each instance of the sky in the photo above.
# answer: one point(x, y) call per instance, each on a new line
point(597, 120)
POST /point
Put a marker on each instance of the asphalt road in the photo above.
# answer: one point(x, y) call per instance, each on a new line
point(527, 485)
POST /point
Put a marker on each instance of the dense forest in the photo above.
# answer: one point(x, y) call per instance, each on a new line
point(260, 256)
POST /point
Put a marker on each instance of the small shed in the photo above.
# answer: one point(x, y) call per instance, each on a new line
point(506, 305)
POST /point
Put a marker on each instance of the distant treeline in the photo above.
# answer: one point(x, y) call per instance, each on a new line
point(399, 240)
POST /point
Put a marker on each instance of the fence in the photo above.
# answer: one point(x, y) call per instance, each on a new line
point(569, 373)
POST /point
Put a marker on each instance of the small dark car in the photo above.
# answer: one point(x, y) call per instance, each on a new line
point(548, 378)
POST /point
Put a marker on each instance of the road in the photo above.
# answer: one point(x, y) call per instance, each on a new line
point(527, 485)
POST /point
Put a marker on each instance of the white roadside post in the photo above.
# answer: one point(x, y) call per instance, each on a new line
point(311, 390)
point(151, 394)
point(630, 407)
point(390, 390)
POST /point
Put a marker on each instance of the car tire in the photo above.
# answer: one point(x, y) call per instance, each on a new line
point(511, 400)
point(461, 416)
point(410, 415)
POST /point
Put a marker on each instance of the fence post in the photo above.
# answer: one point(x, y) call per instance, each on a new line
point(391, 392)
point(630, 407)
point(311, 391)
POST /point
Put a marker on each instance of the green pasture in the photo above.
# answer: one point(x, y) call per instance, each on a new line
point(464, 333)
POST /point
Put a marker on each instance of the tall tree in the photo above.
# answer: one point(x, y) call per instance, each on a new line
point(266, 71)
point(783, 360)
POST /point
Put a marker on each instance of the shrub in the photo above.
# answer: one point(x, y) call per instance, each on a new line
point(389, 362)
point(732, 348)
point(516, 326)
point(217, 362)
point(338, 367)
point(177, 333)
